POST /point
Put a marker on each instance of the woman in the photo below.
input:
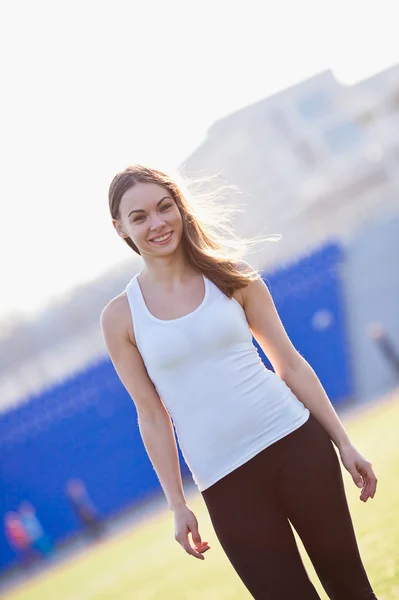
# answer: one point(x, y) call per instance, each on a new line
point(258, 443)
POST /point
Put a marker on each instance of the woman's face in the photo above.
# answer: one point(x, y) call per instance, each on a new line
point(150, 217)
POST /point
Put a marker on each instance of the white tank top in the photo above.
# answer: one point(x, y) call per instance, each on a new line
point(225, 405)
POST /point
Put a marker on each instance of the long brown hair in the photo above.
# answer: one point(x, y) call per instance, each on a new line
point(206, 250)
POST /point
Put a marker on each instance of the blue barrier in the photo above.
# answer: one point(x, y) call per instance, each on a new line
point(308, 297)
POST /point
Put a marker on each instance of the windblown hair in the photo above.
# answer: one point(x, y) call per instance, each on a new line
point(217, 256)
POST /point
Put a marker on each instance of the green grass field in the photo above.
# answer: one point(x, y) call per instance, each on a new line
point(145, 562)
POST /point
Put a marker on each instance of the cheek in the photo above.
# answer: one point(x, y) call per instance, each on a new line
point(178, 227)
point(137, 232)
point(178, 219)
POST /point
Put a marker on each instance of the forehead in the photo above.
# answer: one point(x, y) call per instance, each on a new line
point(142, 195)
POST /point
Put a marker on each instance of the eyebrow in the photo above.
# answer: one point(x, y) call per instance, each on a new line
point(141, 210)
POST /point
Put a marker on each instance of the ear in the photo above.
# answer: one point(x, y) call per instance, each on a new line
point(119, 229)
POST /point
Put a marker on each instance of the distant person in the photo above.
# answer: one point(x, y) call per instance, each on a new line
point(258, 443)
point(84, 508)
point(17, 537)
point(39, 540)
point(385, 344)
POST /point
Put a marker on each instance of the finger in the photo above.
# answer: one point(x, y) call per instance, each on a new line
point(363, 495)
point(200, 546)
point(371, 480)
point(370, 483)
point(366, 494)
point(357, 478)
point(366, 471)
point(203, 547)
point(195, 535)
point(193, 552)
point(374, 488)
point(187, 547)
point(366, 490)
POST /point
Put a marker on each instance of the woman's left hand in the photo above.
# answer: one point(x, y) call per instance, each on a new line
point(361, 470)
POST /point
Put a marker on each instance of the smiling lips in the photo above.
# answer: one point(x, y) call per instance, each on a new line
point(163, 239)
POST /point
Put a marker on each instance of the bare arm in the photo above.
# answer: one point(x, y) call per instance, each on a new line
point(268, 330)
point(154, 421)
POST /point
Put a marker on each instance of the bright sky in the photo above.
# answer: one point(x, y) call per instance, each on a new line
point(89, 86)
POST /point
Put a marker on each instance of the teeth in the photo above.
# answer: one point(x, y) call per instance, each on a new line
point(161, 239)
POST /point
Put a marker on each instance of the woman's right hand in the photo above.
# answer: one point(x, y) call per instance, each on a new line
point(185, 524)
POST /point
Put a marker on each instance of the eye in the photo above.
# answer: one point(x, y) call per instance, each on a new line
point(138, 218)
point(165, 206)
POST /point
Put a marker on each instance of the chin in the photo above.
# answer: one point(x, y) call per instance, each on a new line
point(167, 250)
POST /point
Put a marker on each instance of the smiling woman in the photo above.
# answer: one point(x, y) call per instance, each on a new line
point(258, 442)
point(146, 204)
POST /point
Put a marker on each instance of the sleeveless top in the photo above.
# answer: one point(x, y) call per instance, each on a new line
point(224, 404)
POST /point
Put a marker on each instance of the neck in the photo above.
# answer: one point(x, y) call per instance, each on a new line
point(173, 269)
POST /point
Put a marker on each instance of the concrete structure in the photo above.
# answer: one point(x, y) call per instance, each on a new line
point(312, 162)
point(371, 284)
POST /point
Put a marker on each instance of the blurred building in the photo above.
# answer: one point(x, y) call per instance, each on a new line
point(317, 161)
point(314, 161)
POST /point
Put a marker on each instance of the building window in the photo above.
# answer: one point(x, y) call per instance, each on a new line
point(342, 136)
point(315, 105)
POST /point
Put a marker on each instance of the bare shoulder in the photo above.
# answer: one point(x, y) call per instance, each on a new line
point(116, 318)
point(242, 294)
point(117, 328)
point(256, 291)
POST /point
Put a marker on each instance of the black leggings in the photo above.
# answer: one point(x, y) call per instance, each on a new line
point(296, 479)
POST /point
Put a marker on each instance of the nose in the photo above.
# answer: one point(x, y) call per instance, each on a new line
point(156, 222)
